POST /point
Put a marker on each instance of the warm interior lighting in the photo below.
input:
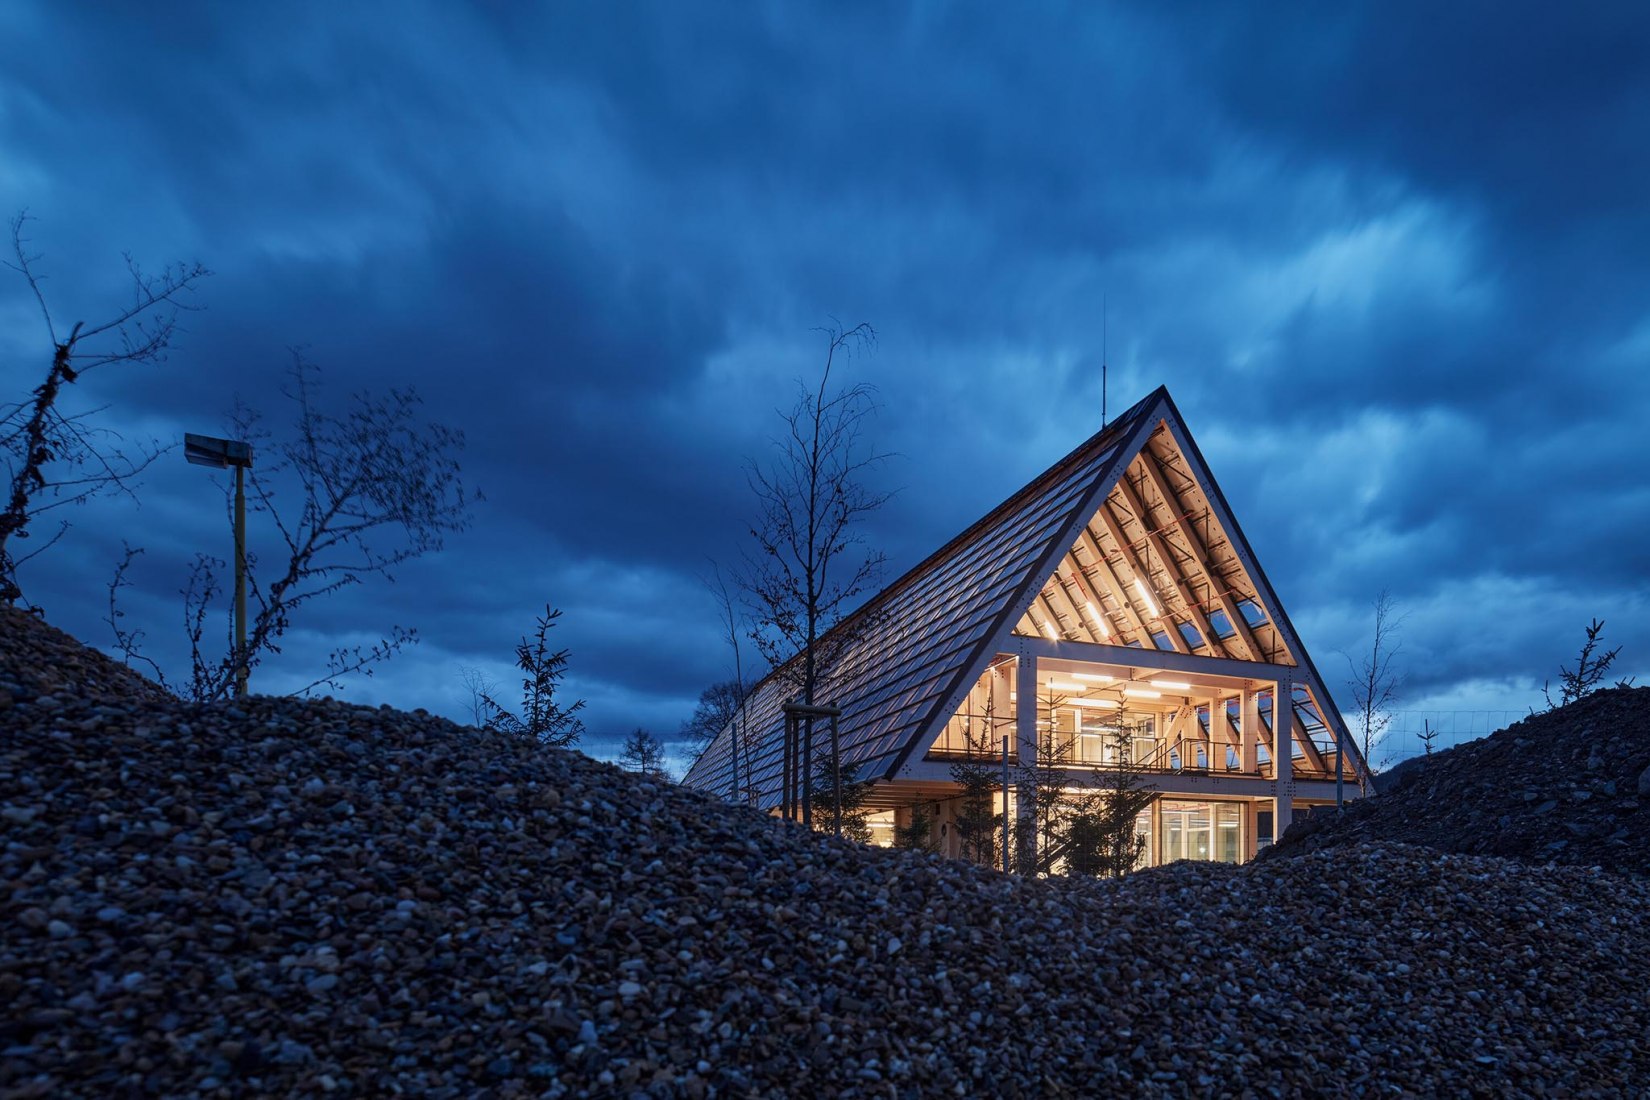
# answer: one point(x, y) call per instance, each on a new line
point(1180, 684)
point(1048, 628)
point(1151, 604)
point(1103, 704)
point(1095, 676)
point(1059, 685)
point(1098, 619)
point(1141, 693)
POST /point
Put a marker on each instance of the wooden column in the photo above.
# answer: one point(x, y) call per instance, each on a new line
point(1249, 728)
point(1283, 781)
point(1025, 736)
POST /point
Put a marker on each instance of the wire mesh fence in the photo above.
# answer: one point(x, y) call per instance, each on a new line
point(1402, 739)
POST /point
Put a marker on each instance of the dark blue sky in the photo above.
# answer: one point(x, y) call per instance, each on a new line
point(1391, 259)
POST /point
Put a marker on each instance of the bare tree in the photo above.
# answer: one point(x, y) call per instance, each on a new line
point(54, 459)
point(717, 706)
point(722, 703)
point(1589, 673)
point(351, 497)
point(644, 753)
point(718, 709)
point(128, 641)
point(480, 687)
point(1375, 683)
point(811, 568)
point(540, 716)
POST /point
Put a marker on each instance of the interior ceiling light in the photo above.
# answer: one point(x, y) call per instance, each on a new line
point(1151, 604)
point(1060, 685)
point(1181, 684)
point(1048, 628)
point(1141, 693)
point(1098, 619)
point(1103, 704)
point(1095, 676)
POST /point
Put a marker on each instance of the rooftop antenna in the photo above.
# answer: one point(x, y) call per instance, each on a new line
point(1103, 368)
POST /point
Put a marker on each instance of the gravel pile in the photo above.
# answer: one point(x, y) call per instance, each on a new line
point(308, 897)
point(1569, 786)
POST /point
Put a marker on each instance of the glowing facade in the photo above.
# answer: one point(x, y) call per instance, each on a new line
point(1117, 593)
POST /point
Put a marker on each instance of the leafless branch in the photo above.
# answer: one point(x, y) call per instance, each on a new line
point(51, 460)
point(127, 642)
point(1376, 682)
point(351, 496)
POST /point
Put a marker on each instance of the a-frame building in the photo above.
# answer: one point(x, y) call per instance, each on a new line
point(1116, 591)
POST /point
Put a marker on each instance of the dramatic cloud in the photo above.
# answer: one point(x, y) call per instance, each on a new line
point(1389, 259)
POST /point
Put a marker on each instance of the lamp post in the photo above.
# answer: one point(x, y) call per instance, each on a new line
point(206, 450)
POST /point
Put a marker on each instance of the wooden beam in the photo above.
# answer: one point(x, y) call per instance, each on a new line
point(1109, 579)
point(1171, 567)
point(1043, 608)
point(1313, 756)
point(1115, 530)
point(1150, 660)
point(1085, 628)
point(1089, 595)
point(1229, 784)
point(1217, 586)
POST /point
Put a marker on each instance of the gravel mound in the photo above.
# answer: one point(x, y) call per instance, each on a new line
point(284, 897)
point(1569, 786)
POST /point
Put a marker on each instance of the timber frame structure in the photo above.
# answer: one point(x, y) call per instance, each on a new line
point(1117, 596)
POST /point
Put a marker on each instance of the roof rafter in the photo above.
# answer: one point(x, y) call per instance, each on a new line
point(1142, 576)
point(1171, 567)
point(1091, 545)
point(1218, 586)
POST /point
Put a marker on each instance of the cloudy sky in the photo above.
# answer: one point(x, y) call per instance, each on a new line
point(1391, 259)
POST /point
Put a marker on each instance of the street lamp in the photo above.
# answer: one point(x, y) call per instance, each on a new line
point(206, 450)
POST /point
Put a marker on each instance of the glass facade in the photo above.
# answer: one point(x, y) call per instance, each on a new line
point(1201, 830)
point(987, 715)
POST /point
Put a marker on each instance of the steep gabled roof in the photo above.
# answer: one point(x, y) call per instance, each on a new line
point(1101, 547)
point(919, 638)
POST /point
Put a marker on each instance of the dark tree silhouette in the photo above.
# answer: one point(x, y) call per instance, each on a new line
point(53, 459)
point(540, 716)
point(810, 568)
point(1375, 684)
point(644, 753)
point(1589, 672)
point(350, 496)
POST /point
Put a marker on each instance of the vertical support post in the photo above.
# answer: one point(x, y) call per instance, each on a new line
point(785, 778)
point(1005, 805)
point(733, 760)
point(1340, 762)
point(836, 778)
point(242, 661)
point(1251, 826)
point(1249, 729)
point(1283, 756)
point(1156, 856)
point(808, 772)
point(1025, 734)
